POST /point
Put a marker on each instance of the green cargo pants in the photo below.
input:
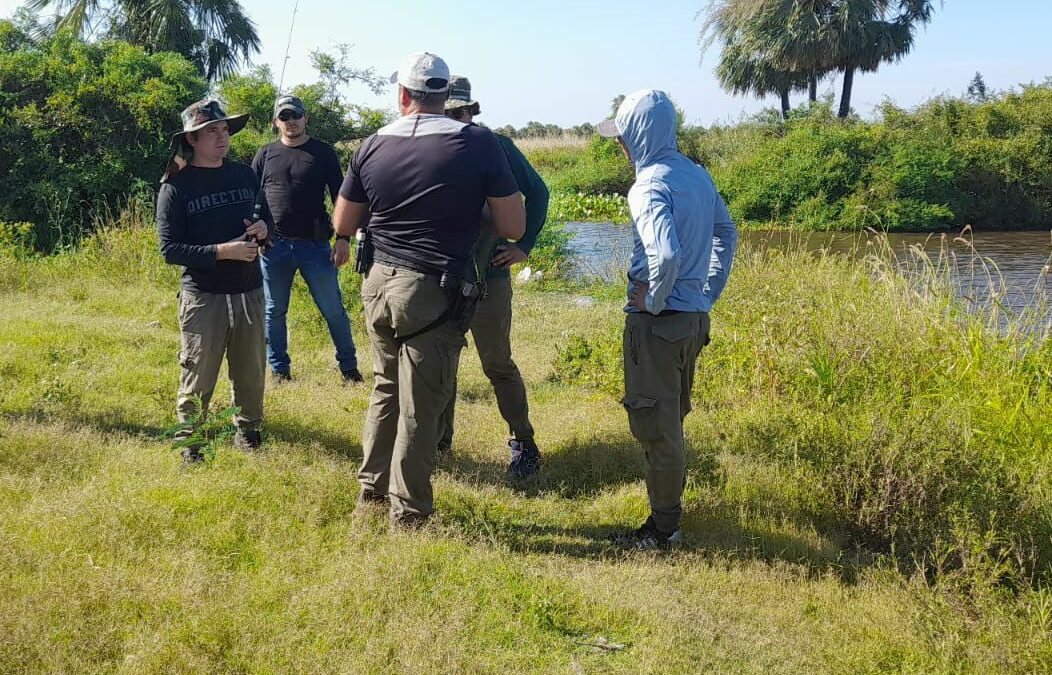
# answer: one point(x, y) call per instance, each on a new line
point(660, 354)
point(414, 382)
point(491, 330)
point(214, 325)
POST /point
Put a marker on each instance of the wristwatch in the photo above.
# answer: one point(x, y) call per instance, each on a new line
point(343, 237)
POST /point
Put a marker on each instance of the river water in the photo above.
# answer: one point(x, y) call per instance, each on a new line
point(1011, 268)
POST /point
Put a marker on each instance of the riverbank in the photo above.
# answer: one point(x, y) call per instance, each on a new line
point(868, 492)
point(945, 165)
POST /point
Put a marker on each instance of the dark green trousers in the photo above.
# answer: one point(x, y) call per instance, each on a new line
point(660, 353)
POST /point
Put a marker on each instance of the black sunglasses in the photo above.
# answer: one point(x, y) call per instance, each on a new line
point(286, 115)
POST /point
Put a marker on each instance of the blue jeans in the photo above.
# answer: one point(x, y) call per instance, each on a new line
point(313, 259)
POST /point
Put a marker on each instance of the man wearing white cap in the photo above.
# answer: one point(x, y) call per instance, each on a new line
point(684, 245)
point(419, 184)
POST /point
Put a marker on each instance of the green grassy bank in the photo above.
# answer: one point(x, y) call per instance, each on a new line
point(868, 493)
point(944, 165)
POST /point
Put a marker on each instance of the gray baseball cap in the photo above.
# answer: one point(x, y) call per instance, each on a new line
point(289, 103)
point(422, 71)
point(459, 93)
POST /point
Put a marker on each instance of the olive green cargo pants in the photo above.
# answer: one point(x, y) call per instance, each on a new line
point(491, 330)
point(213, 325)
point(660, 353)
point(414, 382)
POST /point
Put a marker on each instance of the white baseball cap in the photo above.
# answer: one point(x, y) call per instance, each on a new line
point(422, 72)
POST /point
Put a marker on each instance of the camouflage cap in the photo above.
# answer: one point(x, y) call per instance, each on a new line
point(459, 93)
point(207, 111)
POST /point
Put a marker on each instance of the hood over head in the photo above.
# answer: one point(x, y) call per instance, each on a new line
point(646, 122)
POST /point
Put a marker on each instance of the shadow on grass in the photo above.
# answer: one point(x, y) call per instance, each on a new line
point(577, 468)
point(290, 430)
point(111, 422)
point(710, 534)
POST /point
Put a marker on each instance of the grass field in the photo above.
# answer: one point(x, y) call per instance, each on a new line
point(115, 559)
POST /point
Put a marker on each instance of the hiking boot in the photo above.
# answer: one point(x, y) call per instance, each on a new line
point(525, 459)
point(281, 376)
point(407, 522)
point(352, 375)
point(369, 503)
point(248, 440)
point(648, 538)
point(192, 455)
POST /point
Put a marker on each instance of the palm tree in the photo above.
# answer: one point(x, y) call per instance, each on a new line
point(871, 32)
point(742, 72)
point(821, 36)
point(764, 52)
point(216, 35)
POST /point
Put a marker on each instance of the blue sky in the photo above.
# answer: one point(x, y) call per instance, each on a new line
point(562, 62)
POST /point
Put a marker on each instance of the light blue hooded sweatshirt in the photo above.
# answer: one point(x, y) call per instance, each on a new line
point(684, 236)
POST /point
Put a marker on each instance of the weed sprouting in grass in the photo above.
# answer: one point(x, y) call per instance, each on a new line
point(203, 431)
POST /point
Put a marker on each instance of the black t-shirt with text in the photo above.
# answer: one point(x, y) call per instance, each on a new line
point(199, 208)
point(425, 179)
point(294, 182)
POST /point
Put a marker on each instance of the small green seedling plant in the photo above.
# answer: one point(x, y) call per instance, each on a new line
point(206, 431)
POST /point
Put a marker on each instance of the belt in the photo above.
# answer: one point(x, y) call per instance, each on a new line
point(390, 261)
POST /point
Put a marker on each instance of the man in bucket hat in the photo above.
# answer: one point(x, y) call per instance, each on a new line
point(419, 184)
point(204, 210)
point(491, 326)
point(296, 171)
point(684, 245)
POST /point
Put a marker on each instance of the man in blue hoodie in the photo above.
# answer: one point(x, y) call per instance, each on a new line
point(684, 244)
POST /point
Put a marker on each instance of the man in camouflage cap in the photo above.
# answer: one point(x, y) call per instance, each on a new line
point(491, 327)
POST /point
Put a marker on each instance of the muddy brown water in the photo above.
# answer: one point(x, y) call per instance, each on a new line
point(1009, 268)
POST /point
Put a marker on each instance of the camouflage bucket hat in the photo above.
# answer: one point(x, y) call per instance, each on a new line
point(460, 94)
point(199, 115)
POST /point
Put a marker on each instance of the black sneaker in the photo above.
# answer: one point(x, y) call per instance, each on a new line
point(525, 459)
point(352, 375)
point(248, 439)
point(281, 375)
point(648, 538)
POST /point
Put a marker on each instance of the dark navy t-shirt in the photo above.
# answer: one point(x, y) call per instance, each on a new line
point(425, 178)
point(199, 208)
point(294, 181)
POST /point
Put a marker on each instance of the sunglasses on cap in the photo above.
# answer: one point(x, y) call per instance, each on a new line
point(286, 115)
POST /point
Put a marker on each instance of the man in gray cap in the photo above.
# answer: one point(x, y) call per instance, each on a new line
point(419, 184)
point(684, 245)
point(295, 172)
point(491, 326)
point(204, 224)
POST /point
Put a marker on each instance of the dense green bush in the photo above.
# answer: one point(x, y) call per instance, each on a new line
point(947, 164)
point(82, 126)
point(599, 168)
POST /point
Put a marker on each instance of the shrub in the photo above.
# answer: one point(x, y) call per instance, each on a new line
point(82, 127)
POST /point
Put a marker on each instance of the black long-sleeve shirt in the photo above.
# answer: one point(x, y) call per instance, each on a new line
point(199, 208)
point(294, 180)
